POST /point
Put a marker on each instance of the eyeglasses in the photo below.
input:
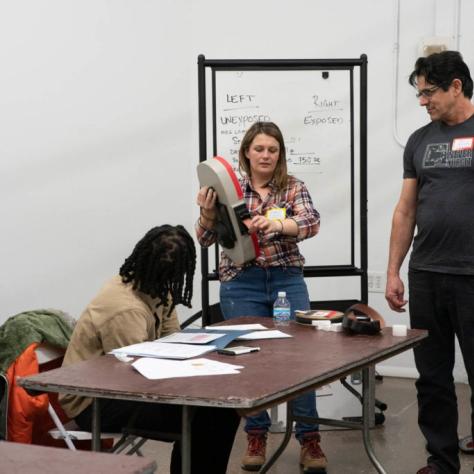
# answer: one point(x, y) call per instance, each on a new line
point(427, 93)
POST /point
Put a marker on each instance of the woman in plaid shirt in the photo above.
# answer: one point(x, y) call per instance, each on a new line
point(282, 214)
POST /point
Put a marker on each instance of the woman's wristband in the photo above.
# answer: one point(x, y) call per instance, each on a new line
point(210, 219)
point(281, 224)
point(208, 225)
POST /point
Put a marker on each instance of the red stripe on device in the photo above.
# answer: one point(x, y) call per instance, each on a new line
point(232, 175)
point(240, 195)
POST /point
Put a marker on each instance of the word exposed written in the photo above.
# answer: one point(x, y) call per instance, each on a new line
point(328, 120)
point(319, 116)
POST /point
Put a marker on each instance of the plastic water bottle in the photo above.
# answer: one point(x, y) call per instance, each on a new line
point(281, 310)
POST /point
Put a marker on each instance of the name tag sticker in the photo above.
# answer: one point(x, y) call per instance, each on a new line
point(462, 144)
point(276, 213)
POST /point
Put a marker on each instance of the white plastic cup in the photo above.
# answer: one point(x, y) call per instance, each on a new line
point(399, 330)
point(324, 325)
point(336, 327)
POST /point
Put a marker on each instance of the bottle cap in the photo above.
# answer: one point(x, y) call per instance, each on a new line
point(282, 294)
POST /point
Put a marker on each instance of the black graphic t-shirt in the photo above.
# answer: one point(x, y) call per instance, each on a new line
point(440, 158)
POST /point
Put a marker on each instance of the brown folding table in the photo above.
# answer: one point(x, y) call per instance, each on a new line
point(281, 370)
point(33, 459)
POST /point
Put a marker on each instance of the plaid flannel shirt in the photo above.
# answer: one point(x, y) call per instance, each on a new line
point(276, 250)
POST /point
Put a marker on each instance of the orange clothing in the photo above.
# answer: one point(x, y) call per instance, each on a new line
point(28, 418)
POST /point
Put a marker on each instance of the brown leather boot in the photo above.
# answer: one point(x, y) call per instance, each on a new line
point(312, 457)
point(254, 457)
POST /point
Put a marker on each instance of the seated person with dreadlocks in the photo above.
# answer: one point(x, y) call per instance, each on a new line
point(136, 306)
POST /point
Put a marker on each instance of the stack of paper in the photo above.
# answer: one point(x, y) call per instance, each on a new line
point(191, 337)
point(220, 339)
point(164, 350)
point(194, 343)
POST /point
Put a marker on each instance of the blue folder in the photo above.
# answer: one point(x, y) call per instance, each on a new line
point(222, 341)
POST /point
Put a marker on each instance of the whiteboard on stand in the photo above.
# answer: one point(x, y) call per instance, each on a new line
point(314, 109)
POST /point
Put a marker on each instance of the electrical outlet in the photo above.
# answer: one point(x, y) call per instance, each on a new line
point(376, 282)
point(433, 44)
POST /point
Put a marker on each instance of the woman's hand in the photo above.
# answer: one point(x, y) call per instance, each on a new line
point(267, 226)
point(206, 200)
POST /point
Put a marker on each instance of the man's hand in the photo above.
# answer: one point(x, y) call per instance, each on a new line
point(394, 293)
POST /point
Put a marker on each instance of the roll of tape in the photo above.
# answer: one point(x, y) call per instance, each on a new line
point(399, 330)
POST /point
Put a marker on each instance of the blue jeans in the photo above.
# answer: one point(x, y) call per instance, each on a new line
point(252, 293)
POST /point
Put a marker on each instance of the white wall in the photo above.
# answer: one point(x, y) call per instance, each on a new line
point(99, 131)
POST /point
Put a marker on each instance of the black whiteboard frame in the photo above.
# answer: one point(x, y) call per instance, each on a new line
point(296, 64)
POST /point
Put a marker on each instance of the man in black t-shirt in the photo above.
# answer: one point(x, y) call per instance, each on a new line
point(438, 198)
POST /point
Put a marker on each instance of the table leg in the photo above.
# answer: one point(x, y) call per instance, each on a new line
point(276, 426)
point(186, 439)
point(95, 424)
point(368, 403)
point(286, 438)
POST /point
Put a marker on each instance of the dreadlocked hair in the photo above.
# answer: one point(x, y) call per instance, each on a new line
point(162, 264)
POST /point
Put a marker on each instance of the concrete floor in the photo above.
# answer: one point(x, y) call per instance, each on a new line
point(398, 443)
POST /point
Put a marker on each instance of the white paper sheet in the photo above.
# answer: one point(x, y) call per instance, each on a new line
point(237, 327)
point(271, 334)
point(191, 337)
point(155, 369)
